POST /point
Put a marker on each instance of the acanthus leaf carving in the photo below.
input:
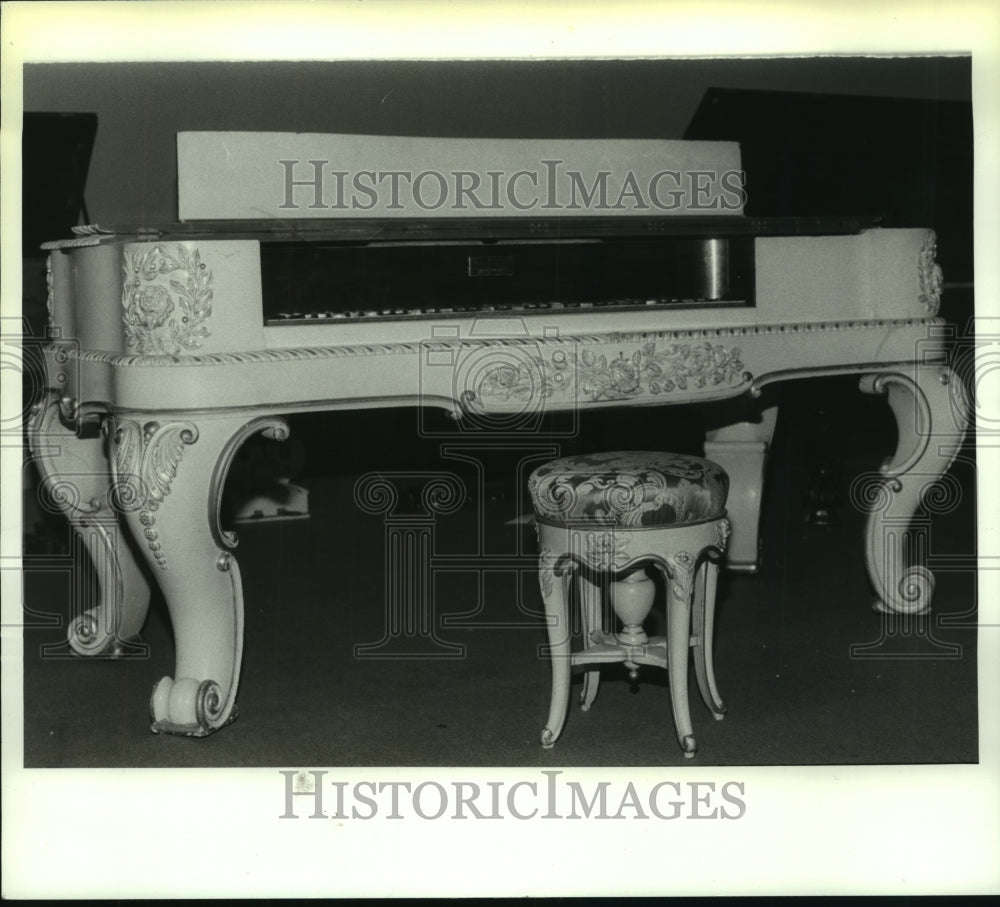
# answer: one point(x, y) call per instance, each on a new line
point(164, 448)
point(146, 461)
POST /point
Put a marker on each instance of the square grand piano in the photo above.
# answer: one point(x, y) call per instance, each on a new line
point(318, 273)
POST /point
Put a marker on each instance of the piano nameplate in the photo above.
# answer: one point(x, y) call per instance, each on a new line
point(261, 175)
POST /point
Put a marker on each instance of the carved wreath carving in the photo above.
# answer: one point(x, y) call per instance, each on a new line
point(931, 278)
point(146, 462)
point(167, 298)
point(678, 366)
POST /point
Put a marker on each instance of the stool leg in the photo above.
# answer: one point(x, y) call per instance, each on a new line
point(704, 621)
point(591, 604)
point(679, 590)
point(554, 590)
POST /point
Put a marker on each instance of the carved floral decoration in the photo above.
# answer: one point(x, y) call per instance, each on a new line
point(167, 298)
point(606, 551)
point(593, 376)
point(680, 566)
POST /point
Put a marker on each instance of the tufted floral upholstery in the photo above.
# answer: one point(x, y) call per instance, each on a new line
point(629, 488)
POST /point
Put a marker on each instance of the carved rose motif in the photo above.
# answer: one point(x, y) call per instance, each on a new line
point(699, 359)
point(154, 305)
point(506, 375)
point(624, 375)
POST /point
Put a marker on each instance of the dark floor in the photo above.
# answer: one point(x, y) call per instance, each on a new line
point(810, 673)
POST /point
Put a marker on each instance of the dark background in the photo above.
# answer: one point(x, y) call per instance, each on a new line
point(140, 107)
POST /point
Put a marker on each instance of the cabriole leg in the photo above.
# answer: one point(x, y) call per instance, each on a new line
point(931, 411)
point(704, 628)
point(76, 479)
point(170, 474)
point(554, 588)
point(591, 609)
point(679, 588)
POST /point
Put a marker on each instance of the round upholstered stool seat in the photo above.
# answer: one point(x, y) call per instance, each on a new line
point(629, 488)
point(603, 521)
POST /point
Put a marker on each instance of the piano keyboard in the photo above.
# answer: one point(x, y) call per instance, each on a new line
point(499, 309)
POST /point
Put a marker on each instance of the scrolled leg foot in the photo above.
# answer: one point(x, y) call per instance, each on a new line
point(87, 636)
point(84, 635)
point(188, 707)
point(914, 593)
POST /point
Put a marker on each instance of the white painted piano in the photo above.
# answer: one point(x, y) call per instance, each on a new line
point(314, 273)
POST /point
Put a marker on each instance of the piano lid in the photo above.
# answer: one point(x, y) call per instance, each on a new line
point(359, 231)
point(264, 175)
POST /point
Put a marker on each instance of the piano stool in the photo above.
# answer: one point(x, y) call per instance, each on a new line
point(603, 520)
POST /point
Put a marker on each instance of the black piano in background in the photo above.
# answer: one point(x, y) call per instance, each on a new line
point(900, 161)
